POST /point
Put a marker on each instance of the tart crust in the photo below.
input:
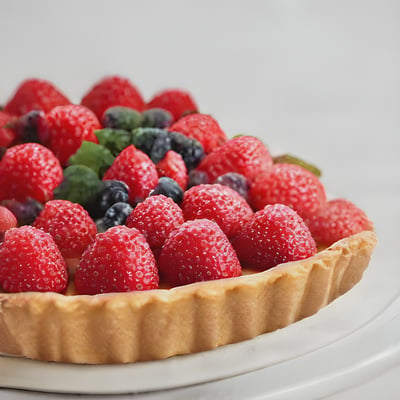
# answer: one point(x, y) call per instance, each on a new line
point(156, 324)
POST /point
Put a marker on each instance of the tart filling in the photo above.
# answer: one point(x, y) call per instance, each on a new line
point(156, 324)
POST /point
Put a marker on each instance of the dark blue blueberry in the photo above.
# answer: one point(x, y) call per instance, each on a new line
point(116, 215)
point(120, 117)
point(156, 118)
point(236, 182)
point(25, 211)
point(112, 192)
point(27, 126)
point(168, 187)
point(191, 150)
point(197, 177)
point(154, 142)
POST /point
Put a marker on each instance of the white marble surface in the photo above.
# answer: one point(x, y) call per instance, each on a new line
point(319, 79)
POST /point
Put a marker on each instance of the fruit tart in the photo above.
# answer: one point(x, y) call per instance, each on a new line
point(135, 230)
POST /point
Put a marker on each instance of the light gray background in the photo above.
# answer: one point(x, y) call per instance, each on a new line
point(320, 79)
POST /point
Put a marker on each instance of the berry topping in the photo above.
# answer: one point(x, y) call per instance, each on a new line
point(169, 188)
point(111, 192)
point(176, 101)
point(197, 177)
point(119, 260)
point(291, 159)
point(236, 182)
point(191, 150)
point(156, 118)
point(274, 235)
point(154, 142)
point(66, 128)
point(119, 117)
point(115, 140)
point(203, 128)
point(291, 185)
point(28, 126)
point(35, 94)
point(246, 155)
point(29, 170)
point(80, 185)
point(156, 218)
point(70, 226)
point(93, 155)
point(7, 135)
point(31, 261)
point(196, 251)
point(218, 203)
point(115, 215)
point(7, 221)
point(135, 168)
point(112, 91)
point(25, 211)
point(339, 218)
point(173, 166)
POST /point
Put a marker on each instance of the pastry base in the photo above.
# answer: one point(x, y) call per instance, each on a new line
point(156, 324)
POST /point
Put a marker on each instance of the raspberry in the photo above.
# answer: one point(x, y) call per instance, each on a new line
point(35, 94)
point(203, 128)
point(7, 221)
point(70, 226)
point(274, 235)
point(173, 166)
point(218, 203)
point(197, 251)
point(7, 135)
point(31, 261)
point(245, 155)
point(66, 128)
point(291, 185)
point(339, 218)
point(156, 218)
point(119, 260)
point(29, 170)
point(178, 102)
point(135, 168)
point(112, 91)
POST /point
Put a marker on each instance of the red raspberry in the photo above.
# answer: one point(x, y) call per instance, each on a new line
point(135, 168)
point(29, 170)
point(66, 127)
point(218, 203)
point(7, 135)
point(35, 94)
point(156, 218)
point(339, 218)
point(173, 166)
point(245, 155)
point(119, 260)
point(178, 102)
point(7, 221)
point(291, 185)
point(70, 226)
point(275, 234)
point(197, 251)
point(31, 261)
point(203, 128)
point(112, 91)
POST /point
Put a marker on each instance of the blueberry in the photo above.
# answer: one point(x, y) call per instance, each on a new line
point(197, 177)
point(191, 150)
point(168, 187)
point(119, 117)
point(111, 193)
point(27, 126)
point(116, 215)
point(235, 181)
point(156, 118)
point(25, 211)
point(154, 142)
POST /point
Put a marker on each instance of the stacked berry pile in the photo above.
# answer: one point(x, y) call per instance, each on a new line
point(117, 194)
